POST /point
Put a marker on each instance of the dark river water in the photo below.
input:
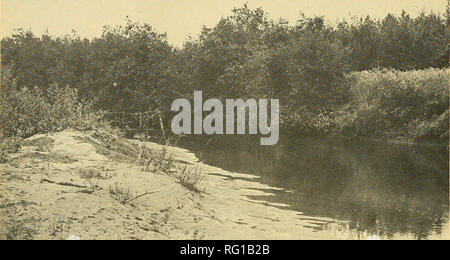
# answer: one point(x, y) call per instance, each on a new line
point(354, 188)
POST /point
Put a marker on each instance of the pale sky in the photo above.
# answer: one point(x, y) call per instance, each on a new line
point(180, 18)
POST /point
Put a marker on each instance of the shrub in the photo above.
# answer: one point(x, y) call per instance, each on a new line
point(412, 104)
point(29, 111)
point(106, 133)
point(435, 128)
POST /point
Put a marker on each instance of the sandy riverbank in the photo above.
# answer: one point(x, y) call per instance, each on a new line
point(45, 196)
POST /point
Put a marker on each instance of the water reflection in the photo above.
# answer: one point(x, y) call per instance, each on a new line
point(378, 189)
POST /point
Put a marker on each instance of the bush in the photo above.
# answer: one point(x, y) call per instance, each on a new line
point(109, 135)
point(435, 128)
point(391, 103)
point(29, 111)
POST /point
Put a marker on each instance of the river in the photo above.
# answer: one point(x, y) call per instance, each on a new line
point(348, 187)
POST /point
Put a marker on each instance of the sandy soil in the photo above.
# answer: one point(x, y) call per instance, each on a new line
point(46, 196)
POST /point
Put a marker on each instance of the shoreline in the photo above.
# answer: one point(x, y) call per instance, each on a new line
point(48, 197)
point(377, 139)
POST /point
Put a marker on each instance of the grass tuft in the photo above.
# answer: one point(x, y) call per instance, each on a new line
point(158, 160)
point(120, 192)
point(191, 176)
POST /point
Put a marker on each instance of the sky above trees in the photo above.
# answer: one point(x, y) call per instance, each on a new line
point(180, 18)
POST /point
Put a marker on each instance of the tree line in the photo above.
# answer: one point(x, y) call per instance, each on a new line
point(245, 55)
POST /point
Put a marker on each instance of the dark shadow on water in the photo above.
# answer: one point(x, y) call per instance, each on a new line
point(376, 188)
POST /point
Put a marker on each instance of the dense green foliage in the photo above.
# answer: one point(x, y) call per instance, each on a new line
point(308, 66)
point(412, 104)
point(28, 111)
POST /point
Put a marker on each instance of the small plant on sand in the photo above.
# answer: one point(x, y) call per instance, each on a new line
point(89, 175)
point(156, 160)
point(191, 176)
point(164, 160)
point(94, 173)
point(120, 192)
point(145, 155)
